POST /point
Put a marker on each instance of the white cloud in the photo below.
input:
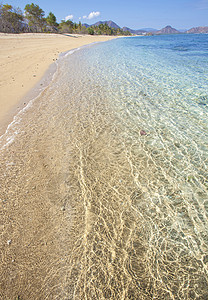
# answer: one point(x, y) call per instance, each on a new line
point(70, 17)
point(92, 15)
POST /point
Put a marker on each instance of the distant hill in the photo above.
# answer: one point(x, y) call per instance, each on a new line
point(182, 30)
point(167, 30)
point(134, 31)
point(198, 30)
point(140, 31)
point(148, 29)
point(86, 25)
point(128, 29)
point(114, 25)
point(109, 23)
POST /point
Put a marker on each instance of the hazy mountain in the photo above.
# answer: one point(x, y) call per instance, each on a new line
point(140, 31)
point(198, 30)
point(167, 30)
point(86, 25)
point(134, 31)
point(114, 25)
point(109, 23)
point(148, 29)
point(182, 30)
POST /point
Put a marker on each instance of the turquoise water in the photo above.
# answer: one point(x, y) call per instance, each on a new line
point(126, 122)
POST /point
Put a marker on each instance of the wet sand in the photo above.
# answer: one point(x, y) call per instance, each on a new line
point(24, 59)
point(36, 221)
point(67, 222)
point(90, 208)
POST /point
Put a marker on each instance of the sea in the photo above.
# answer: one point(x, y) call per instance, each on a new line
point(118, 144)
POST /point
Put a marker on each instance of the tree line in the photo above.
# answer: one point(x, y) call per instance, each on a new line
point(13, 20)
point(104, 29)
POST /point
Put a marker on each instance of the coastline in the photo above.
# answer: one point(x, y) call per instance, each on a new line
point(26, 61)
point(103, 177)
point(36, 216)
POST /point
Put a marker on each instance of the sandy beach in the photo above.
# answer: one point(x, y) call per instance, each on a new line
point(24, 59)
point(103, 182)
point(37, 233)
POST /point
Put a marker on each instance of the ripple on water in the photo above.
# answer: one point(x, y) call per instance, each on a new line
point(134, 223)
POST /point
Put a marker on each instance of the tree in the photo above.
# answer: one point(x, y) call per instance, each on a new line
point(90, 31)
point(51, 21)
point(75, 26)
point(83, 30)
point(66, 26)
point(10, 19)
point(35, 16)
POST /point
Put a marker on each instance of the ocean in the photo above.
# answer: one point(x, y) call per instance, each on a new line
point(117, 148)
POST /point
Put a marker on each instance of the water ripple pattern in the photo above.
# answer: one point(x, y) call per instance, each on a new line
point(116, 148)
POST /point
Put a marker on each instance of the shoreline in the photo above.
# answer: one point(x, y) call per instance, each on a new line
point(27, 62)
point(103, 187)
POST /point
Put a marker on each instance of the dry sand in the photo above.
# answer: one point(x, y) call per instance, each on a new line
point(24, 58)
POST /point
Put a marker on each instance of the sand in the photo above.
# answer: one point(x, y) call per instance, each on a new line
point(89, 207)
point(24, 59)
point(35, 232)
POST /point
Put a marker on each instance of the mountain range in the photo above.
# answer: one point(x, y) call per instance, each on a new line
point(166, 30)
point(198, 30)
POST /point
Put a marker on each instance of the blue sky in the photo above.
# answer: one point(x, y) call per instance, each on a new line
point(181, 14)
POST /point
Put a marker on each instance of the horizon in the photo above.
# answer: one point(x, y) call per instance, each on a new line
point(135, 14)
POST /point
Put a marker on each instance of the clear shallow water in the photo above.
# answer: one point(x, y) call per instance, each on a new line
point(136, 205)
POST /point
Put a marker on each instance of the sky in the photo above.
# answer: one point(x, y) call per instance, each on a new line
point(135, 14)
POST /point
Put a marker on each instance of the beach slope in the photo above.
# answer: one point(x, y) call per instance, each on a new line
point(24, 59)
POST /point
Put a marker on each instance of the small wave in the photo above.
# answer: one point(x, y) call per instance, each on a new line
point(179, 48)
point(11, 132)
point(203, 100)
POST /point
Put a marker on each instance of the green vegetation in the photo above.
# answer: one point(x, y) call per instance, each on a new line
point(104, 29)
point(71, 27)
point(35, 15)
point(12, 20)
point(51, 20)
point(91, 31)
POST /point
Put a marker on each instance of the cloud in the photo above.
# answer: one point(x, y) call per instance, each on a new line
point(92, 15)
point(70, 17)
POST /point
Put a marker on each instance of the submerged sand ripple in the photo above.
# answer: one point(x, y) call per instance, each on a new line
point(86, 209)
